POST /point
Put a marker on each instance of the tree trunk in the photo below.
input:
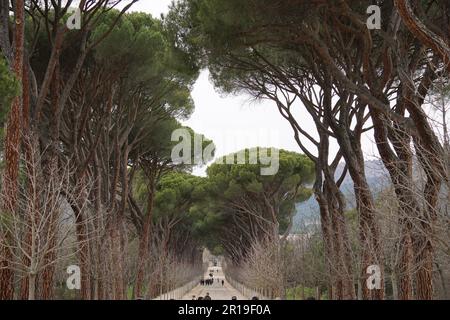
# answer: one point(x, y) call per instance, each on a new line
point(345, 289)
point(431, 156)
point(424, 275)
point(99, 231)
point(32, 286)
point(325, 224)
point(405, 268)
point(144, 244)
point(27, 143)
point(399, 166)
point(424, 245)
point(50, 170)
point(117, 259)
point(369, 227)
point(442, 280)
point(370, 239)
point(424, 34)
point(394, 285)
point(12, 151)
point(84, 256)
point(119, 229)
point(317, 293)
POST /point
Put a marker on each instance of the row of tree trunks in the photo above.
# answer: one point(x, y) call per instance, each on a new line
point(428, 149)
point(343, 250)
point(336, 242)
point(349, 142)
point(431, 156)
point(371, 250)
point(339, 262)
point(399, 167)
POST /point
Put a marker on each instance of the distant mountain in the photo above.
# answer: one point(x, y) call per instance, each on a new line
point(308, 211)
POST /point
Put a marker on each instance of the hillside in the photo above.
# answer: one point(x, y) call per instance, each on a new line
point(308, 211)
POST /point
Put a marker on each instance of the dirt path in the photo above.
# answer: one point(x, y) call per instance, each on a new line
point(216, 290)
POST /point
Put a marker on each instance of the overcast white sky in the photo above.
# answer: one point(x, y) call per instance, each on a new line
point(155, 7)
point(236, 122)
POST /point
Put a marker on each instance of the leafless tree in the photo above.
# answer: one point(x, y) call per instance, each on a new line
point(43, 225)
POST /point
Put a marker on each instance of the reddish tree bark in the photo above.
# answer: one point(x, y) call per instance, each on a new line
point(12, 150)
point(144, 244)
point(424, 34)
point(49, 170)
point(24, 287)
point(84, 255)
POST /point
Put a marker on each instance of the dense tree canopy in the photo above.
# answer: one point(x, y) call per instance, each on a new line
point(258, 206)
point(8, 87)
